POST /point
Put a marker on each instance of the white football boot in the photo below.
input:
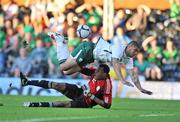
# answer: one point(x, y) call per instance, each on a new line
point(27, 104)
point(59, 38)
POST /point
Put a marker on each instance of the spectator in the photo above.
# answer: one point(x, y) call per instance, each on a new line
point(141, 65)
point(170, 60)
point(3, 63)
point(72, 40)
point(51, 5)
point(120, 38)
point(139, 19)
point(28, 41)
point(39, 59)
point(175, 8)
point(1, 18)
point(27, 24)
point(21, 34)
point(15, 22)
point(53, 62)
point(21, 64)
point(154, 57)
point(10, 8)
point(2, 38)
point(92, 14)
point(119, 19)
point(82, 20)
point(12, 42)
point(170, 53)
point(7, 24)
point(153, 51)
point(71, 18)
point(56, 21)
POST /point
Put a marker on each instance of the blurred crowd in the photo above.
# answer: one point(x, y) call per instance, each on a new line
point(25, 46)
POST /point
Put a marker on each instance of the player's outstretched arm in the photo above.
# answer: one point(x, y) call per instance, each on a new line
point(135, 79)
point(117, 69)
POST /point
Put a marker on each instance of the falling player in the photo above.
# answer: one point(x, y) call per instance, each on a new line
point(102, 51)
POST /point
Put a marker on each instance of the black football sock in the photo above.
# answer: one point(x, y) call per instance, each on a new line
point(41, 83)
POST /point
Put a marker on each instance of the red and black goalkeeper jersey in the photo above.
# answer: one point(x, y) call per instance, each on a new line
point(102, 89)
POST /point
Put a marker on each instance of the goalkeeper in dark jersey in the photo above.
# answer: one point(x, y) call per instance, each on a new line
point(98, 91)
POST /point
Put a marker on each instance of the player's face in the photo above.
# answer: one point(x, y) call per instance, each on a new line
point(100, 74)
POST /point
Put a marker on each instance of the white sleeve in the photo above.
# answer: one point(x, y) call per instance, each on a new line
point(117, 52)
point(129, 64)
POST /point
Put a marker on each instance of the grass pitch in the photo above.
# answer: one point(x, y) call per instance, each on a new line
point(122, 110)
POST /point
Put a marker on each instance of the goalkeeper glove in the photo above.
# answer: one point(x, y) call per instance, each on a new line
point(87, 92)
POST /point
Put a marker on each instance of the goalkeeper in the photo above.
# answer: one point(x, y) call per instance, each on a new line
point(98, 91)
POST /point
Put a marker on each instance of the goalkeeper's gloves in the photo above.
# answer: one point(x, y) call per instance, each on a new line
point(87, 92)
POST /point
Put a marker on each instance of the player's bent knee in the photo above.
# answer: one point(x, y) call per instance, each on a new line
point(68, 64)
point(72, 70)
point(67, 73)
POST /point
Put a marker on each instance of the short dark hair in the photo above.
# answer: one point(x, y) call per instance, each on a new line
point(105, 67)
point(135, 44)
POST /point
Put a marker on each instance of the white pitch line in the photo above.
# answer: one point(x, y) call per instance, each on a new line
point(58, 118)
point(155, 115)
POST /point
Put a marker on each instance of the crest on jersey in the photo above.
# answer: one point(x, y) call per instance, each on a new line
point(97, 88)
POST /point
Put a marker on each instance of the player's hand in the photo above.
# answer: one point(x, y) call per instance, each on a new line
point(86, 89)
point(127, 83)
point(146, 92)
point(87, 92)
